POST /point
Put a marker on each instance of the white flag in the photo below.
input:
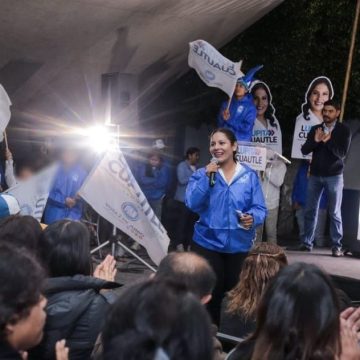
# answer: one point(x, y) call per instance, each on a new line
point(5, 113)
point(213, 68)
point(32, 194)
point(113, 192)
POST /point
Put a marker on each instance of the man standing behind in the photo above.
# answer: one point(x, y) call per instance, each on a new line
point(186, 218)
point(329, 142)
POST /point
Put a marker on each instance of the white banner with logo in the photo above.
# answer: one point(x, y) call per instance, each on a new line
point(252, 155)
point(32, 194)
point(113, 192)
point(213, 68)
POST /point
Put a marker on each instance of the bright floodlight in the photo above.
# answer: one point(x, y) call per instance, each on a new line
point(98, 138)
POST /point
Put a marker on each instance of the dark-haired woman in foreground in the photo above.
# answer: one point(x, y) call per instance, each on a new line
point(229, 212)
point(77, 301)
point(156, 320)
point(299, 318)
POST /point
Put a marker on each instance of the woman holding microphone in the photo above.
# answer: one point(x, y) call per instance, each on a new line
point(230, 208)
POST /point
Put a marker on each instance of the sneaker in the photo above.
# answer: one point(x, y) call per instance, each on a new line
point(337, 253)
point(301, 247)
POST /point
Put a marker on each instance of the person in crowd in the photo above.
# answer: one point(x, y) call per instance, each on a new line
point(263, 262)
point(153, 177)
point(329, 143)
point(195, 273)
point(229, 212)
point(298, 318)
point(267, 131)
point(63, 201)
point(77, 301)
point(21, 231)
point(319, 91)
point(24, 170)
point(298, 198)
point(157, 320)
point(240, 116)
point(185, 218)
point(8, 206)
point(22, 305)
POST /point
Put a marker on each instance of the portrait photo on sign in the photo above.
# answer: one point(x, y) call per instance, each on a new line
point(318, 92)
point(266, 130)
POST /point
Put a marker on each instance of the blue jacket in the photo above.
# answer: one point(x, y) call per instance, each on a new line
point(67, 184)
point(242, 117)
point(300, 187)
point(183, 172)
point(154, 187)
point(218, 227)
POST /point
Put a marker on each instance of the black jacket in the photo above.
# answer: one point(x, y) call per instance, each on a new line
point(8, 353)
point(75, 311)
point(328, 158)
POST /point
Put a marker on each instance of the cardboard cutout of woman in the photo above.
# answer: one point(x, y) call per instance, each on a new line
point(319, 91)
point(267, 132)
point(266, 129)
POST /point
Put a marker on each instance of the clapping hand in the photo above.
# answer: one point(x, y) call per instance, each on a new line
point(106, 270)
point(349, 334)
point(320, 135)
point(62, 352)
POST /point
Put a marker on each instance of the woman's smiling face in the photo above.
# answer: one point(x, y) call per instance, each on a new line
point(221, 147)
point(318, 96)
point(261, 102)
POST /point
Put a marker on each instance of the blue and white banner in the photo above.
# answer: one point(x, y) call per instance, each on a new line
point(113, 192)
point(213, 68)
point(32, 194)
point(5, 113)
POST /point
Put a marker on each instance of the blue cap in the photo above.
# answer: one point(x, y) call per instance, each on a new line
point(248, 78)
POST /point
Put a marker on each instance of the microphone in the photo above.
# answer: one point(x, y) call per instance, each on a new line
point(212, 180)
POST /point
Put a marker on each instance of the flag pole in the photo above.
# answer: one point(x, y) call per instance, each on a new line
point(6, 141)
point(350, 59)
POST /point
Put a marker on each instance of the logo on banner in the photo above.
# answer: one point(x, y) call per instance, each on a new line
point(130, 211)
point(209, 75)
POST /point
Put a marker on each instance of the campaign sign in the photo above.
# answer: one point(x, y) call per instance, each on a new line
point(253, 156)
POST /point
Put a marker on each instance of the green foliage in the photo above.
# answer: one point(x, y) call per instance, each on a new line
point(297, 41)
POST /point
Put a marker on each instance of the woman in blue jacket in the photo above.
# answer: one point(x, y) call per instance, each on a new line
point(229, 213)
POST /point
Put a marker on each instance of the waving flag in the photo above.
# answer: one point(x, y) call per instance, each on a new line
point(213, 68)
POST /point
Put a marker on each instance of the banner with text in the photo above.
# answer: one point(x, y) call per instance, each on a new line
point(253, 156)
point(213, 68)
point(32, 194)
point(113, 192)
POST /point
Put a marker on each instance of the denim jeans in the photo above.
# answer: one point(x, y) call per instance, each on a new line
point(319, 236)
point(333, 185)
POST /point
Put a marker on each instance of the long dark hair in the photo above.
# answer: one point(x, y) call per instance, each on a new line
point(230, 136)
point(157, 316)
point(270, 111)
point(64, 249)
point(298, 317)
point(305, 107)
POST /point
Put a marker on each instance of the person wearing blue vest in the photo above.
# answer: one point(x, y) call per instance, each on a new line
point(229, 209)
point(241, 115)
point(63, 201)
point(153, 178)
